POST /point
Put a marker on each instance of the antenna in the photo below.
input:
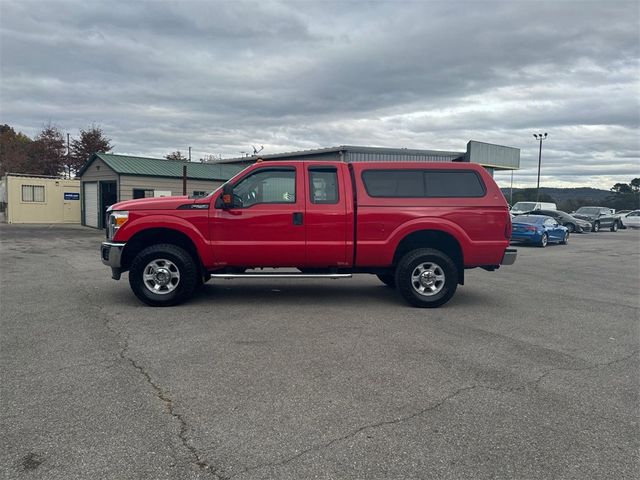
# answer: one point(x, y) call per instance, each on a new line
point(257, 151)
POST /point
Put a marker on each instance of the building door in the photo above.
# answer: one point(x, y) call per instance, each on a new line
point(90, 195)
point(108, 196)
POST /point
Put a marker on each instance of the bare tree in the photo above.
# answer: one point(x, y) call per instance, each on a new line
point(176, 156)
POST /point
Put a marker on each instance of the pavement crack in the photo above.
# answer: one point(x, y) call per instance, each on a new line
point(355, 432)
point(169, 406)
point(536, 383)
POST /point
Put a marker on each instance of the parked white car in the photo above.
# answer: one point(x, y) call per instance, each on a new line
point(524, 207)
point(632, 219)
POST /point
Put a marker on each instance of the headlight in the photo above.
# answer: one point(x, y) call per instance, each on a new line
point(116, 220)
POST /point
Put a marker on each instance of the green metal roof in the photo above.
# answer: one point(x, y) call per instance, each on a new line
point(159, 167)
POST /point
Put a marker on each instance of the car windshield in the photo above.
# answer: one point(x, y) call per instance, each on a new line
point(588, 210)
point(524, 206)
point(531, 219)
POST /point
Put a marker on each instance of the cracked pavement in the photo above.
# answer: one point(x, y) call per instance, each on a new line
point(530, 372)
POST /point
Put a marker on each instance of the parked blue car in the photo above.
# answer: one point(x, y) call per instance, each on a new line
point(538, 229)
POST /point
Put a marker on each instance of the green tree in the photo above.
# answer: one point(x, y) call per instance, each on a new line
point(177, 155)
point(92, 140)
point(622, 188)
point(14, 151)
point(626, 196)
point(47, 152)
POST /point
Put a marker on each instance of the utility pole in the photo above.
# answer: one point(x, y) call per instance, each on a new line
point(189, 153)
point(68, 157)
point(511, 192)
point(540, 137)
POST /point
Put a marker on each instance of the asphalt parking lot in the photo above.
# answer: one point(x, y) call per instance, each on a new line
point(530, 372)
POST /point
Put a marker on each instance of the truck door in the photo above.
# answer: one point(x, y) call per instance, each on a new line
point(266, 225)
point(325, 216)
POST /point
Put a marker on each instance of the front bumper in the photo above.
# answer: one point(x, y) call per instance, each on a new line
point(111, 254)
point(509, 257)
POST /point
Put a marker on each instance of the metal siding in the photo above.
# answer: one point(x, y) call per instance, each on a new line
point(496, 156)
point(399, 156)
point(129, 182)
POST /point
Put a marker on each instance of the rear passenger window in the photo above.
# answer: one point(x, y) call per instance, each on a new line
point(394, 183)
point(423, 183)
point(323, 185)
point(453, 184)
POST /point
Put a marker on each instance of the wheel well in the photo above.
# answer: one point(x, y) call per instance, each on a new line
point(436, 239)
point(155, 236)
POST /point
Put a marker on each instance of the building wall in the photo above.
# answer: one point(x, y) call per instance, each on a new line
point(159, 184)
point(99, 171)
point(54, 208)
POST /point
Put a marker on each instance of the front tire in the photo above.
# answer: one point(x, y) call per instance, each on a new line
point(596, 227)
point(426, 278)
point(614, 227)
point(565, 240)
point(163, 275)
point(571, 227)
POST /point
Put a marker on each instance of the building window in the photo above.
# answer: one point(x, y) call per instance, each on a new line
point(200, 193)
point(142, 193)
point(33, 193)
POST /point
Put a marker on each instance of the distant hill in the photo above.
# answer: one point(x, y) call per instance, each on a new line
point(594, 196)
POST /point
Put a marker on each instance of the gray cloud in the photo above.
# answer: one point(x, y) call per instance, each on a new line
point(220, 76)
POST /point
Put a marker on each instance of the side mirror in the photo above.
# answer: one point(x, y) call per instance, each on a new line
point(227, 196)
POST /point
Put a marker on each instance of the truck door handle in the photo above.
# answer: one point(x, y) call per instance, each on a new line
point(297, 218)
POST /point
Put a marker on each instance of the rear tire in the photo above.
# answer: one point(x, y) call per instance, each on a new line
point(571, 227)
point(163, 275)
point(544, 240)
point(426, 278)
point(388, 279)
point(596, 226)
point(614, 227)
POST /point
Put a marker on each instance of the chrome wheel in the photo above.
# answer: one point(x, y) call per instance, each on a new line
point(161, 276)
point(544, 240)
point(428, 279)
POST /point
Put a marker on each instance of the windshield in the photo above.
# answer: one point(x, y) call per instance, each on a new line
point(588, 210)
point(524, 206)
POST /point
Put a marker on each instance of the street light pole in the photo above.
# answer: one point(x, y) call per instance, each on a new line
point(539, 136)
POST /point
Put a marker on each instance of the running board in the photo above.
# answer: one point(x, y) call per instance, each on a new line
point(230, 276)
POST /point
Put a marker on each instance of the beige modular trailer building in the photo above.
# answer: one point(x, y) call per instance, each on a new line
point(108, 178)
point(39, 199)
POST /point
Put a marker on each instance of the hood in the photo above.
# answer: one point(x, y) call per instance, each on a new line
point(160, 203)
point(585, 216)
point(582, 222)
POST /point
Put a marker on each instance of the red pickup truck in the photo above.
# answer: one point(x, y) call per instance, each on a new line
point(417, 226)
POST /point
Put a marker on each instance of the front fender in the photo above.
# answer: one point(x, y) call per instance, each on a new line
point(194, 230)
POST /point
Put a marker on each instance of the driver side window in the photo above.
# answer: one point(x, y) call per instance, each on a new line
point(266, 186)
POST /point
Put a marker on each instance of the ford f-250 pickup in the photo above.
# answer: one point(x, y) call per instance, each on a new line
point(417, 226)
